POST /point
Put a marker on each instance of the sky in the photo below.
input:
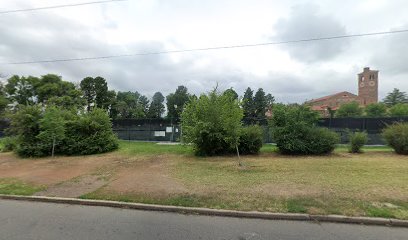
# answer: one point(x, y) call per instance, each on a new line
point(293, 72)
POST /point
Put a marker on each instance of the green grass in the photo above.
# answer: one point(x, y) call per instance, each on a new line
point(151, 148)
point(16, 187)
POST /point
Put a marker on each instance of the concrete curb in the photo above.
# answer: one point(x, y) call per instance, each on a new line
point(215, 212)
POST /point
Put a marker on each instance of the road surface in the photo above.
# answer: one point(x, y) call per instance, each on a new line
point(33, 220)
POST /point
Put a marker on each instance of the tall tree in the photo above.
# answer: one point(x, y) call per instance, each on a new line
point(95, 92)
point(395, 97)
point(260, 104)
point(270, 100)
point(157, 108)
point(128, 105)
point(144, 104)
point(21, 90)
point(232, 93)
point(248, 105)
point(176, 102)
point(3, 100)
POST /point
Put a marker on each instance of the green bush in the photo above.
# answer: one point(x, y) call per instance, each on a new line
point(8, 144)
point(295, 132)
point(212, 124)
point(396, 137)
point(91, 133)
point(250, 140)
point(356, 141)
point(39, 132)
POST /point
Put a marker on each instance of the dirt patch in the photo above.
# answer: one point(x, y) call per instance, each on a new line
point(50, 171)
point(75, 187)
point(152, 177)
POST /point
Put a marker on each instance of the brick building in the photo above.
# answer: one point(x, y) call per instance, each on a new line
point(367, 94)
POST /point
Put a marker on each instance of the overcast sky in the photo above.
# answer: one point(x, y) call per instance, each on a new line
point(291, 72)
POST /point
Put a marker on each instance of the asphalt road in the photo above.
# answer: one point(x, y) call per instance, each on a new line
point(31, 220)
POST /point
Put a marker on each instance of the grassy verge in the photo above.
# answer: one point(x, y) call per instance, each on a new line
point(16, 187)
point(151, 148)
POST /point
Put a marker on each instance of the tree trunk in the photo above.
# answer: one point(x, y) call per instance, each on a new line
point(53, 146)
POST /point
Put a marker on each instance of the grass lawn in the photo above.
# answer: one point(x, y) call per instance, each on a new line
point(17, 187)
point(374, 183)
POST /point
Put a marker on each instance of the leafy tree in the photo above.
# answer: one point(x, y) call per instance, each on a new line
point(176, 102)
point(95, 92)
point(52, 128)
point(157, 108)
point(144, 104)
point(128, 105)
point(260, 104)
point(351, 109)
point(376, 110)
point(248, 105)
point(212, 123)
point(21, 90)
point(3, 101)
point(399, 110)
point(232, 93)
point(270, 100)
point(395, 97)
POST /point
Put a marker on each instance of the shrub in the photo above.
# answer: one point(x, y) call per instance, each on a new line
point(8, 143)
point(399, 110)
point(90, 133)
point(212, 124)
point(41, 133)
point(396, 137)
point(250, 140)
point(356, 141)
point(294, 131)
point(376, 110)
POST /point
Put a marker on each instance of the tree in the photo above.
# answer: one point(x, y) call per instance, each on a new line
point(51, 89)
point(376, 110)
point(129, 106)
point(157, 108)
point(3, 101)
point(212, 124)
point(248, 105)
point(144, 104)
point(270, 100)
point(232, 93)
point(399, 110)
point(395, 97)
point(260, 104)
point(52, 128)
point(351, 109)
point(95, 93)
point(176, 102)
point(21, 90)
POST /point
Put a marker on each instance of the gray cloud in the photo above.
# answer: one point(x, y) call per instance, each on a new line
point(305, 22)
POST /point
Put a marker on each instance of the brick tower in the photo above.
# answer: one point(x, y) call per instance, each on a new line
point(368, 86)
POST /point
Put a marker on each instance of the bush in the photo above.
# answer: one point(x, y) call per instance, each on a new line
point(8, 144)
point(67, 132)
point(250, 140)
point(212, 124)
point(351, 109)
point(294, 131)
point(396, 137)
point(91, 133)
point(356, 141)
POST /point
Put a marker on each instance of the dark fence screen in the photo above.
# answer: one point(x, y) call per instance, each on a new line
point(168, 130)
point(147, 129)
point(3, 126)
point(373, 126)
